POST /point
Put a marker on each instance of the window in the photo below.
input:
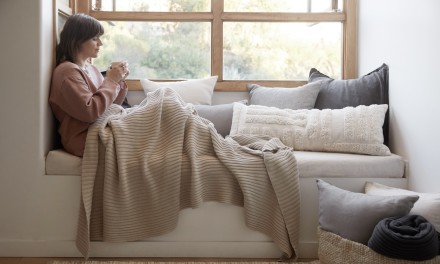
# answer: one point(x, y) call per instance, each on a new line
point(273, 43)
point(63, 9)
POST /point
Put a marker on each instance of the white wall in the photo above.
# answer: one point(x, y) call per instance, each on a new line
point(405, 35)
point(20, 119)
point(26, 54)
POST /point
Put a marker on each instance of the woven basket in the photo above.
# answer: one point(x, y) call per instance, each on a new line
point(334, 249)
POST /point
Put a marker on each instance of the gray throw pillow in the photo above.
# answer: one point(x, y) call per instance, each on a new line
point(354, 215)
point(295, 98)
point(369, 89)
point(220, 115)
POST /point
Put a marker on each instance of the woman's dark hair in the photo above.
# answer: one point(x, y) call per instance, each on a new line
point(78, 29)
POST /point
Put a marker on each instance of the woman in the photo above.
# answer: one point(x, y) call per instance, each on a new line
point(79, 93)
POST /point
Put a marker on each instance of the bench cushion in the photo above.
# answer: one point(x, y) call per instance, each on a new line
point(60, 162)
point(310, 165)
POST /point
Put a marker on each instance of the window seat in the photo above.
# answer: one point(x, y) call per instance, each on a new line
point(310, 165)
point(230, 237)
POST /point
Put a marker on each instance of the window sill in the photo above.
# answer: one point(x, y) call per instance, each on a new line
point(230, 86)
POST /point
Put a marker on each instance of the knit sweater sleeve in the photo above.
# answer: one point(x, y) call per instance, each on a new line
point(80, 98)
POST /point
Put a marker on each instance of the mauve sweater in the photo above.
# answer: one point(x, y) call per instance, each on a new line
point(77, 99)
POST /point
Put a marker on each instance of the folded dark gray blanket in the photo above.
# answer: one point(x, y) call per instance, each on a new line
point(409, 237)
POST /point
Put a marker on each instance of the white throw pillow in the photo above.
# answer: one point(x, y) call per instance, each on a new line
point(427, 206)
point(351, 129)
point(197, 91)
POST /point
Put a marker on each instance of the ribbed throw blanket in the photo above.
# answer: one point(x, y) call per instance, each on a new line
point(409, 237)
point(141, 166)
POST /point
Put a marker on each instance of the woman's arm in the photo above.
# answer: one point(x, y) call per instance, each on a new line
point(81, 99)
point(122, 93)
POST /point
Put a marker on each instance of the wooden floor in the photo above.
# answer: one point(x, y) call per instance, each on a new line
point(45, 260)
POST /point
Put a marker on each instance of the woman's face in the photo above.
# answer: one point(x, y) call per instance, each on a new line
point(90, 48)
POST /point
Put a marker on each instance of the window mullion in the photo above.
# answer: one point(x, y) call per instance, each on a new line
point(83, 6)
point(349, 57)
point(217, 39)
point(335, 5)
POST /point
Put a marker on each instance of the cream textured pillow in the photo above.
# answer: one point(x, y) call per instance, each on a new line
point(197, 91)
point(351, 129)
point(427, 206)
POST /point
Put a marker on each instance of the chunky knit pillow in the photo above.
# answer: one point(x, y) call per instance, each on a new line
point(349, 130)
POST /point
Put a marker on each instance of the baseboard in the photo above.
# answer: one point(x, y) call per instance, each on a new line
point(152, 249)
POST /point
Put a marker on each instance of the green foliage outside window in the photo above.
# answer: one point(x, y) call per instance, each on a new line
point(251, 50)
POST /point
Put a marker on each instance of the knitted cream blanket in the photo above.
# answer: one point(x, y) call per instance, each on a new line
point(143, 165)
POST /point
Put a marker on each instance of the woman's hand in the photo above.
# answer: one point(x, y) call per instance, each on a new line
point(118, 71)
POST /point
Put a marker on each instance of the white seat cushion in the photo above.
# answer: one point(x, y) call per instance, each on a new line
point(344, 165)
point(59, 162)
point(310, 165)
